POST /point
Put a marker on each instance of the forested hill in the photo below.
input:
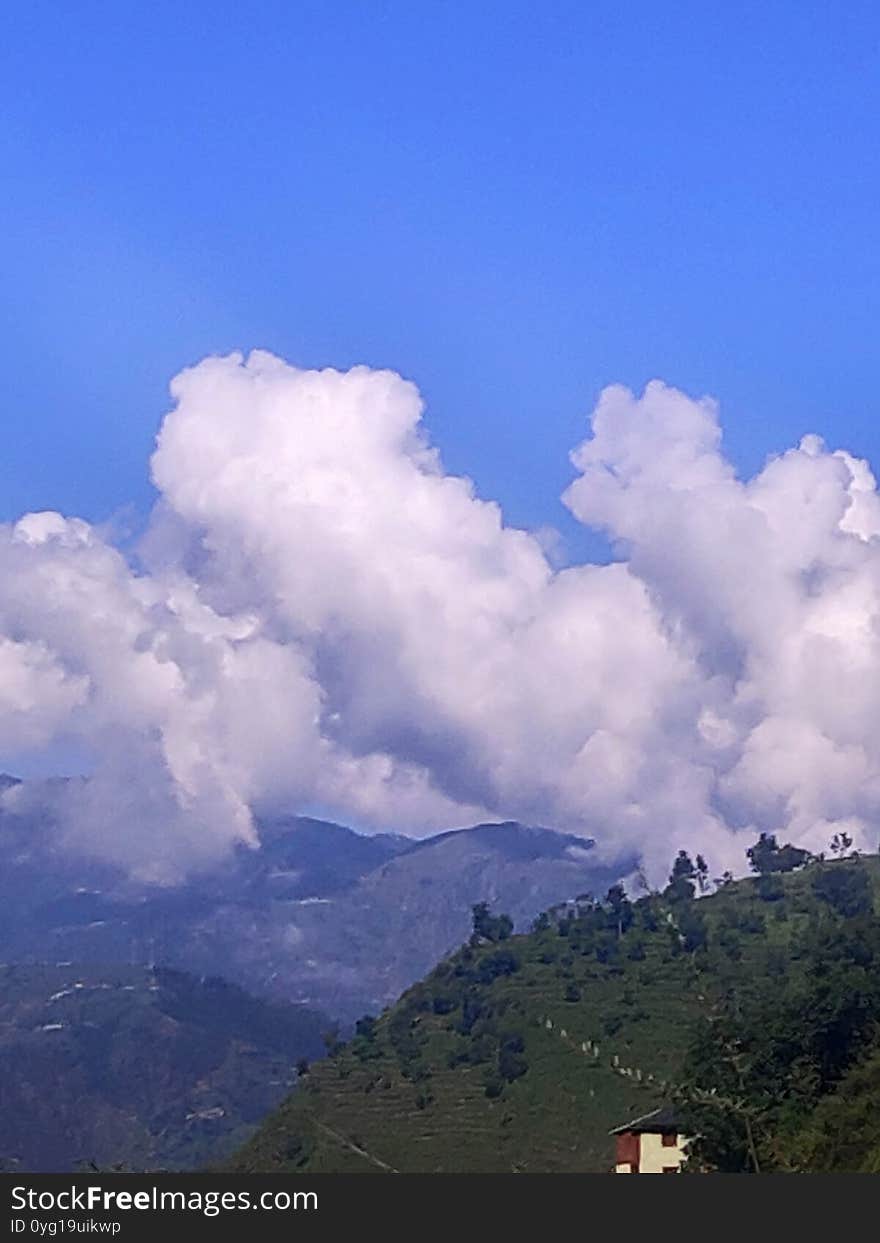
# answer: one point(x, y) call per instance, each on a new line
point(754, 1010)
point(139, 1067)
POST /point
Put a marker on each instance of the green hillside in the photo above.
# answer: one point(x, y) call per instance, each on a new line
point(748, 1007)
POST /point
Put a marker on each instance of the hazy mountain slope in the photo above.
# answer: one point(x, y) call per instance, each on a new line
point(319, 914)
point(354, 951)
point(522, 1055)
point(417, 906)
point(121, 1064)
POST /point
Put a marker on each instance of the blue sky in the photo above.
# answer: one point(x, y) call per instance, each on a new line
point(512, 204)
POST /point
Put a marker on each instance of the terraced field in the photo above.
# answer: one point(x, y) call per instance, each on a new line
point(521, 1055)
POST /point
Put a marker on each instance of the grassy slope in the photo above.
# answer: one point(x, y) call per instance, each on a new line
point(364, 1115)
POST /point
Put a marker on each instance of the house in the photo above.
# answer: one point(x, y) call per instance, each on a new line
point(652, 1144)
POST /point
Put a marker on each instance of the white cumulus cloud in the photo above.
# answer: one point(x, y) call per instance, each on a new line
point(319, 615)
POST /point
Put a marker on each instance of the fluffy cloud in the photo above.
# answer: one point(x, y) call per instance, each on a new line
point(319, 616)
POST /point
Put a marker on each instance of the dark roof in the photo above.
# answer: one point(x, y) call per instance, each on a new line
point(662, 1119)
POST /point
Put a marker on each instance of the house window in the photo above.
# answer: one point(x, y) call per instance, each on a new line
point(669, 1140)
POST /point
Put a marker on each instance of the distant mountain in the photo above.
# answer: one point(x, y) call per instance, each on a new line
point(300, 857)
point(417, 906)
point(353, 951)
point(153, 1069)
point(319, 915)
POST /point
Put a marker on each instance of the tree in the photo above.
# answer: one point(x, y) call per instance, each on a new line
point(472, 1009)
point(842, 1135)
point(636, 950)
point(502, 962)
point(729, 944)
point(488, 927)
point(482, 920)
point(511, 1060)
point(840, 844)
point(493, 1084)
point(702, 874)
point(642, 882)
point(619, 908)
point(692, 930)
point(648, 916)
point(762, 1059)
point(723, 1118)
point(682, 866)
point(366, 1027)
point(681, 879)
point(767, 856)
point(760, 856)
point(607, 949)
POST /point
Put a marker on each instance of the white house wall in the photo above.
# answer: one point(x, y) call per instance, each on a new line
point(654, 1158)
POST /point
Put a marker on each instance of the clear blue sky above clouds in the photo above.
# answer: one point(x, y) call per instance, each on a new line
point(513, 204)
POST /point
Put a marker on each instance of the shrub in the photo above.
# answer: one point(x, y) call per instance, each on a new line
point(846, 889)
point(493, 1084)
point(503, 962)
point(769, 888)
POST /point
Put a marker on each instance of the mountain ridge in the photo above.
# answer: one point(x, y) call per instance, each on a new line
point(320, 915)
